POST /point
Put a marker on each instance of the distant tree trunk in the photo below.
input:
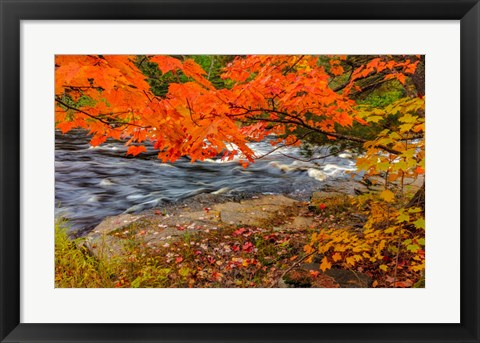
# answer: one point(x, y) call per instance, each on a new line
point(418, 80)
point(418, 199)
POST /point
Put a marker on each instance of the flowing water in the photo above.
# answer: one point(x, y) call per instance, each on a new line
point(92, 183)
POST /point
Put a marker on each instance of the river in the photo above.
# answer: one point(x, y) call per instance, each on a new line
point(92, 183)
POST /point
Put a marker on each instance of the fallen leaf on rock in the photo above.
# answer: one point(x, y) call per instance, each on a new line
point(248, 247)
point(325, 264)
point(336, 257)
point(239, 231)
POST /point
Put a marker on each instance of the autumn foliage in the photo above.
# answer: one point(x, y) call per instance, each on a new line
point(289, 96)
point(268, 95)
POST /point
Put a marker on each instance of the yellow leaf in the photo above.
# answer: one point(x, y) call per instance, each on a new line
point(357, 257)
point(357, 249)
point(383, 166)
point(350, 260)
point(390, 230)
point(418, 267)
point(325, 264)
point(374, 119)
point(383, 267)
point(308, 249)
point(400, 166)
point(408, 153)
point(336, 257)
point(387, 195)
point(408, 118)
point(403, 217)
point(405, 127)
point(394, 135)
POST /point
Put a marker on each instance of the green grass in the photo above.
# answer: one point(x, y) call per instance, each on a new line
point(74, 267)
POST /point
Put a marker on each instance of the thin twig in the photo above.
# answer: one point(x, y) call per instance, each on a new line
point(293, 65)
point(98, 118)
point(293, 266)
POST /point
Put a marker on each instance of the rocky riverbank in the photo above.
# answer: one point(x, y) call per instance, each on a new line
point(202, 213)
point(215, 240)
point(230, 235)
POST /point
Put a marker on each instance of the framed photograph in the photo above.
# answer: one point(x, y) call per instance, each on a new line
point(239, 171)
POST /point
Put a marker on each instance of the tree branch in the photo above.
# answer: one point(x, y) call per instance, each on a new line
point(97, 118)
point(300, 122)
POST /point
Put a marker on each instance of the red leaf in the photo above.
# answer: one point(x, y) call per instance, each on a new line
point(135, 150)
point(97, 140)
point(247, 247)
point(65, 126)
point(419, 170)
point(166, 63)
point(403, 284)
point(239, 231)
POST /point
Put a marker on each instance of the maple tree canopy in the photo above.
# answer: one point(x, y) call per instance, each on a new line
point(109, 96)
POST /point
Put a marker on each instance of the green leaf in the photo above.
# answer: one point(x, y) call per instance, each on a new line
point(419, 223)
point(413, 247)
point(185, 271)
point(136, 283)
point(403, 217)
point(421, 241)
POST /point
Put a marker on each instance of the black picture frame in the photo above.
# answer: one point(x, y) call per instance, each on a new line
point(13, 11)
